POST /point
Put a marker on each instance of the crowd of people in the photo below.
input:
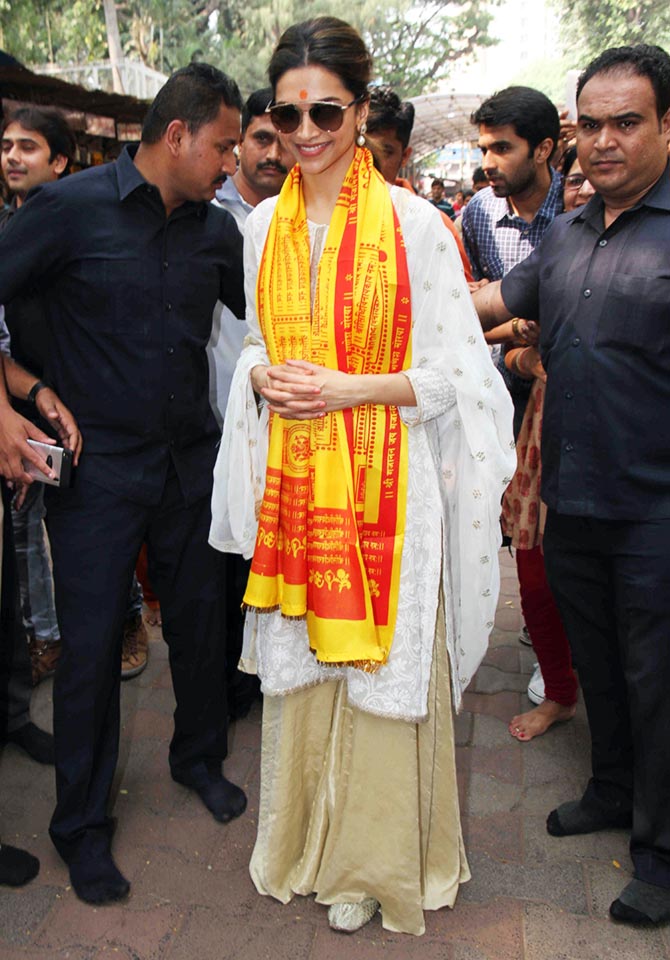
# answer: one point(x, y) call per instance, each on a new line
point(311, 433)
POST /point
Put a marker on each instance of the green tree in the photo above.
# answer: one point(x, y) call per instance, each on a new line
point(590, 26)
point(414, 42)
point(164, 34)
point(54, 31)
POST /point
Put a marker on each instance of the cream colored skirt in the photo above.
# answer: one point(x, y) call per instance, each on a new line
point(353, 805)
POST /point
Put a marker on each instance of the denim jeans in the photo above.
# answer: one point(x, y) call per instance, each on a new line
point(32, 558)
point(15, 673)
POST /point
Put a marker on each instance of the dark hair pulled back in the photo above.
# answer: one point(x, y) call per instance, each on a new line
point(324, 42)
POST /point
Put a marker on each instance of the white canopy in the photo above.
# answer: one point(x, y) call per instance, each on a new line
point(443, 118)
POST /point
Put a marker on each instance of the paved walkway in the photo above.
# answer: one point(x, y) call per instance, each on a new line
point(532, 897)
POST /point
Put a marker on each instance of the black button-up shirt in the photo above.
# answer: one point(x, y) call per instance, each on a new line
point(27, 327)
point(602, 297)
point(129, 294)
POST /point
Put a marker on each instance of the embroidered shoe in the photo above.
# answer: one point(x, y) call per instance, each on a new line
point(349, 917)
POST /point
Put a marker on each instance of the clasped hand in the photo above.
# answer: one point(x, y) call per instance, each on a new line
point(300, 390)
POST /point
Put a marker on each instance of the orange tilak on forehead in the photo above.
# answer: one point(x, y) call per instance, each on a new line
point(303, 94)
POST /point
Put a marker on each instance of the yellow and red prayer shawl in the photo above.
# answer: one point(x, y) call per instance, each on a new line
point(332, 520)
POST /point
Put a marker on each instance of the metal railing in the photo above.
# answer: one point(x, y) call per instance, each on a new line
point(138, 80)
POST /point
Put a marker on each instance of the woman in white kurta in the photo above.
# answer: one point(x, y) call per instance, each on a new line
point(359, 799)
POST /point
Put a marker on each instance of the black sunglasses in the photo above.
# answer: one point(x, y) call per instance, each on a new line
point(327, 116)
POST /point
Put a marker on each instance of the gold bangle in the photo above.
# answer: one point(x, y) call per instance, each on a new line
point(515, 327)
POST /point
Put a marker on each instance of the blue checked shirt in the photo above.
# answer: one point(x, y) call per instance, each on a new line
point(496, 239)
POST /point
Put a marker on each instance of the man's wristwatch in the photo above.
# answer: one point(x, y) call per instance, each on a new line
point(34, 390)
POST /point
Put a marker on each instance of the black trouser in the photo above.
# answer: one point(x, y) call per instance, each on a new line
point(242, 688)
point(96, 536)
point(15, 670)
point(611, 582)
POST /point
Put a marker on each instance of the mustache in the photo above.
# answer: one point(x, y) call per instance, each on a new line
point(271, 165)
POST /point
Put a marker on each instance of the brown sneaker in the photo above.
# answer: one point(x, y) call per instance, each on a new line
point(43, 658)
point(135, 648)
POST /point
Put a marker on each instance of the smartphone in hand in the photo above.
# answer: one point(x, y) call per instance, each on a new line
point(58, 458)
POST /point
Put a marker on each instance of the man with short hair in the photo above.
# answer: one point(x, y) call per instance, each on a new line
point(438, 199)
point(519, 128)
point(36, 147)
point(261, 171)
point(479, 180)
point(262, 168)
point(132, 257)
point(262, 159)
point(389, 128)
point(600, 287)
point(47, 155)
point(518, 132)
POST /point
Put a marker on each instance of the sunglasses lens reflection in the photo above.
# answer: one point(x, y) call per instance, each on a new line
point(325, 116)
point(286, 119)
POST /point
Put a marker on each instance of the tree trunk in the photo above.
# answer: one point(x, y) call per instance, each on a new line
point(47, 21)
point(114, 43)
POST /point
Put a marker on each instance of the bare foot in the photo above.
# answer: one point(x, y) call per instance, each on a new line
point(525, 726)
point(153, 616)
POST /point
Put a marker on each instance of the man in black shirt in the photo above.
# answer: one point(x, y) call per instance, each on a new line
point(131, 258)
point(600, 285)
point(37, 147)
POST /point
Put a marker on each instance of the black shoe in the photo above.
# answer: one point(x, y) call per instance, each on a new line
point(38, 744)
point(642, 904)
point(97, 879)
point(223, 799)
point(573, 818)
point(17, 866)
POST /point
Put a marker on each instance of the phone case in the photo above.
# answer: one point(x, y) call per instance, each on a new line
point(58, 458)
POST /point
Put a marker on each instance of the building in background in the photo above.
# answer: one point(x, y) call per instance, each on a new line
point(528, 31)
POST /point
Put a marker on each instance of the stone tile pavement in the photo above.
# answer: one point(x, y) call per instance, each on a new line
point(532, 897)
